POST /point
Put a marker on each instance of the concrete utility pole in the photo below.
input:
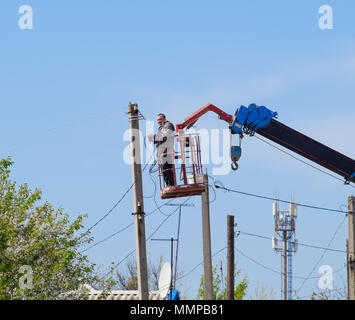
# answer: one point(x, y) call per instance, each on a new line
point(351, 248)
point(138, 204)
point(230, 257)
point(206, 238)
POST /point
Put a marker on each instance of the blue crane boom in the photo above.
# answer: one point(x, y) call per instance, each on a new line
point(261, 120)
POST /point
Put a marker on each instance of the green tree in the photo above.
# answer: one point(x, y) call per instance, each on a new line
point(220, 293)
point(39, 246)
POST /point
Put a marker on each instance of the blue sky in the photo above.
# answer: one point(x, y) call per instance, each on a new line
point(66, 85)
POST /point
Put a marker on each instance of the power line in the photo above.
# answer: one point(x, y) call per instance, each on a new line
point(177, 246)
point(156, 230)
point(298, 243)
point(341, 290)
point(213, 189)
point(194, 268)
point(155, 187)
point(266, 267)
point(118, 202)
point(253, 260)
point(302, 244)
point(199, 264)
point(121, 230)
point(220, 186)
point(150, 236)
point(304, 162)
point(74, 123)
point(109, 237)
point(256, 262)
point(106, 215)
point(321, 257)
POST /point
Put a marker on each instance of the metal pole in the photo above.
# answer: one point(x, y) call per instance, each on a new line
point(177, 248)
point(351, 248)
point(171, 265)
point(230, 257)
point(284, 267)
point(138, 204)
point(289, 269)
point(206, 238)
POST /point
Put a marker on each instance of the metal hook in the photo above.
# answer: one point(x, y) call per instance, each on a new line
point(234, 166)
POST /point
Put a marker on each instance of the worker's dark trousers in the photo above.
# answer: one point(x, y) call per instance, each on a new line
point(168, 174)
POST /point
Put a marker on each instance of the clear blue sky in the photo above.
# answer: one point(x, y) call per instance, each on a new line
point(66, 84)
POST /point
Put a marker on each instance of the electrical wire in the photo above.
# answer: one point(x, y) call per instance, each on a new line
point(154, 183)
point(155, 189)
point(74, 123)
point(151, 171)
point(121, 230)
point(302, 161)
point(220, 186)
point(213, 189)
point(108, 213)
point(256, 262)
point(313, 295)
point(324, 252)
point(199, 264)
point(149, 237)
point(177, 246)
point(301, 244)
point(109, 237)
point(194, 268)
point(156, 230)
point(266, 267)
point(298, 243)
point(116, 204)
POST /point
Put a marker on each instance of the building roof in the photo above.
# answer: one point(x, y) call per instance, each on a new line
point(122, 295)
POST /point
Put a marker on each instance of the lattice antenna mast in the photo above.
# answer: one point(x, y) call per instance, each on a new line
point(285, 227)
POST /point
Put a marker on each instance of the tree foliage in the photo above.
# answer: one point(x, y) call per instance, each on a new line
point(39, 246)
point(220, 293)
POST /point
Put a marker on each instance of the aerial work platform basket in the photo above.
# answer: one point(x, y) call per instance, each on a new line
point(186, 168)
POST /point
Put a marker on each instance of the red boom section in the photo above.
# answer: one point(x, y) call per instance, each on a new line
point(189, 121)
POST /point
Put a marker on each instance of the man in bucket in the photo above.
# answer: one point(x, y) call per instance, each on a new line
point(164, 140)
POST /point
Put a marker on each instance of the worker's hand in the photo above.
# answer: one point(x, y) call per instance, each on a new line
point(150, 137)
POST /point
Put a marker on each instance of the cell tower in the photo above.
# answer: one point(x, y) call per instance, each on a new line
point(285, 227)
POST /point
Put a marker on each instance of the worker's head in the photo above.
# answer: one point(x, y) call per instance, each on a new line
point(161, 119)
